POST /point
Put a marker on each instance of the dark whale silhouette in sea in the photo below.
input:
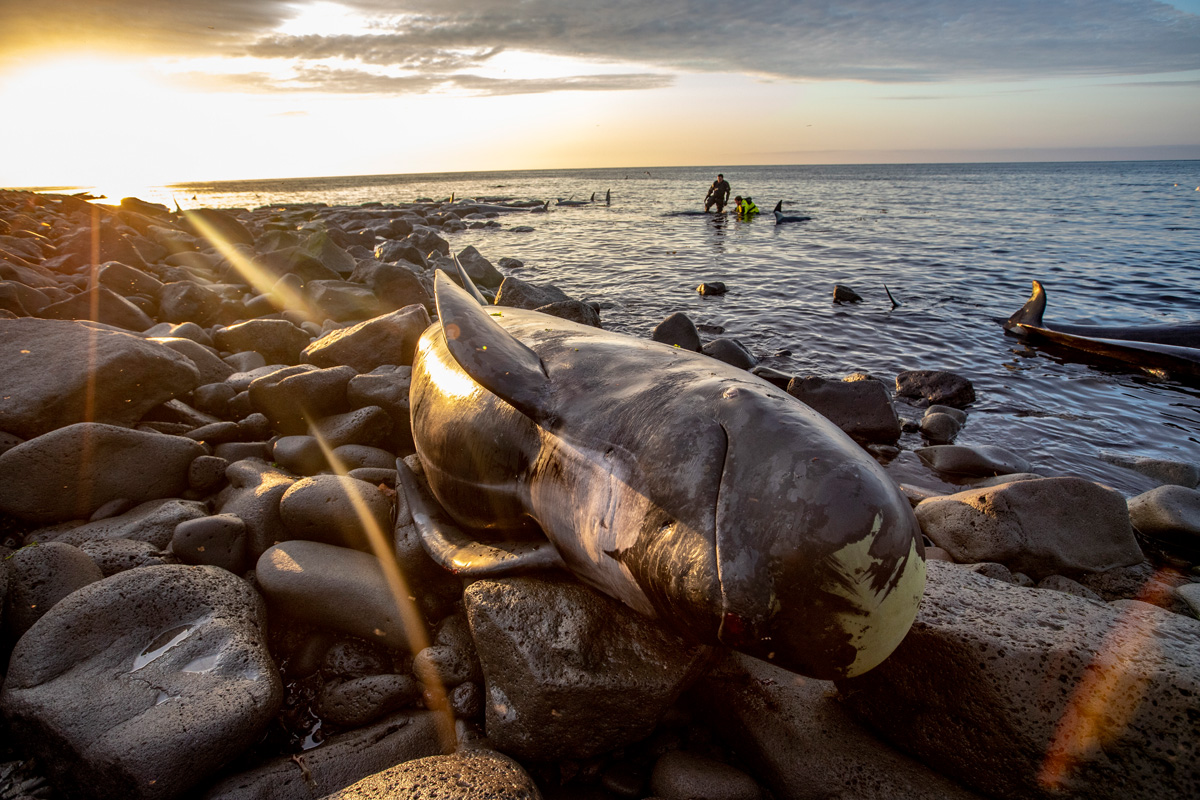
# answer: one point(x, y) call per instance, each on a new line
point(1172, 348)
point(688, 489)
point(781, 218)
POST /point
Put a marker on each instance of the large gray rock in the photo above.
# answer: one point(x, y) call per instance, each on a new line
point(681, 775)
point(479, 268)
point(516, 293)
point(388, 339)
point(152, 522)
point(99, 304)
point(570, 673)
point(978, 461)
point(386, 387)
point(342, 301)
point(862, 409)
point(253, 494)
point(334, 587)
point(71, 472)
point(211, 368)
point(1029, 693)
point(465, 775)
point(1170, 514)
point(803, 744)
point(56, 373)
point(188, 301)
point(1039, 527)
point(336, 509)
point(677, 330)
point(1165, 471)
point(295, 397)
point(143, 684)
point(340, 761)
point(279, 341)
point(40, 575)
point(930, 387)
point(370, 425)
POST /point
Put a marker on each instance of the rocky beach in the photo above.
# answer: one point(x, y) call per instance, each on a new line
point(213, 586)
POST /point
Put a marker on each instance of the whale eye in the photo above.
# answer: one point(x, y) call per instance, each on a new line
point(732, 393)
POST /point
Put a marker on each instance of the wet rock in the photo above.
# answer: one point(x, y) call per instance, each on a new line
point(1042, 527)
point(334, 587)
point(772, 376)
point(991, 569)
point(479, 268)
point(216, 227)
point(466, 700)
point(465, 775)
point(292, 398)
point(143, 684)
point(939, 428)
point(218, 540)
point(844, 294)
point(862, 409)
point(713, 288)
point(390, 339)
point(997, 480)
point(935, 387)
point(573, 311)
point(678, 330)
point(321, 246)
point(253, 494)
point(1011, 691)
point(153, 522)
point(980, 460)
point(40, 479)
point(118, 555)
point(730, 351)
point(1190, 594)
point(57, 373)
point(1165, 471)
point(370, 426)
point(277, 340)
point(41, 575)
point(213, 398)
point(569, 672)
point(1169, 514)
point(99, 304)
point(516, 293)
point(359, 701)
point(681, 775)
point(330, 509)
point(400, 250)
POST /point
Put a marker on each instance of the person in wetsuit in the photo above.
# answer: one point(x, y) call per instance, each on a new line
point(718, 195)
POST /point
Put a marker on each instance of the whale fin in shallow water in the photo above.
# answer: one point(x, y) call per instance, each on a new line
point(490, 355)
point(1030, 313)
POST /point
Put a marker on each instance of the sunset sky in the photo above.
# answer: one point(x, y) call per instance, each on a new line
point(156, 91)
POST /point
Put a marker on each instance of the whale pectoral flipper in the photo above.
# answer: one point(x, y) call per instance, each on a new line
point(458, 553)
point(467, 283)
point(490, 355)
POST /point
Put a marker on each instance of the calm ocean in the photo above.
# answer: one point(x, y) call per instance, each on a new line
point(956, 244)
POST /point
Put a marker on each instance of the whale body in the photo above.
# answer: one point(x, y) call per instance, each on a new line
point(781, 218)
point(1173, 348)
point(690, 490)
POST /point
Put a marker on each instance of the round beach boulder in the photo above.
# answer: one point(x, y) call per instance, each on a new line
point(144, 683)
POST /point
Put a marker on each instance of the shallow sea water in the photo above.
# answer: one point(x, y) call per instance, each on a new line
point(957, 245)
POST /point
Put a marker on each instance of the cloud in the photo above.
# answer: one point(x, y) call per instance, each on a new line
point(333, 80)
point(884, 41)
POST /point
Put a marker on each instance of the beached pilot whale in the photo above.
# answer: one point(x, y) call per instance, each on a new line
point(688, 489)
point(781, 218)
point(1172, 348)
point(570, 202)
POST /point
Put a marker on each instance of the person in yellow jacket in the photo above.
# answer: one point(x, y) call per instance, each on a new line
point(745, 207)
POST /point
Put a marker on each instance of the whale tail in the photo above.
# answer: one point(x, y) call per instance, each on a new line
point(1030, 314)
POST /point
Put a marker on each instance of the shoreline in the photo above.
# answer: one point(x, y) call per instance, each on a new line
point(231, 306)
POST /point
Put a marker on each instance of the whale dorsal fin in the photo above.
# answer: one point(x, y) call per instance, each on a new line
point(490, 355)
point(1031, 313)
point(467, 283)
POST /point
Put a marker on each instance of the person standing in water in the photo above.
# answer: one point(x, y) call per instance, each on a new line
point(718, 195)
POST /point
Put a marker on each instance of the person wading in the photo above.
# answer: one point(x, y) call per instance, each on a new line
point(718, 195)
